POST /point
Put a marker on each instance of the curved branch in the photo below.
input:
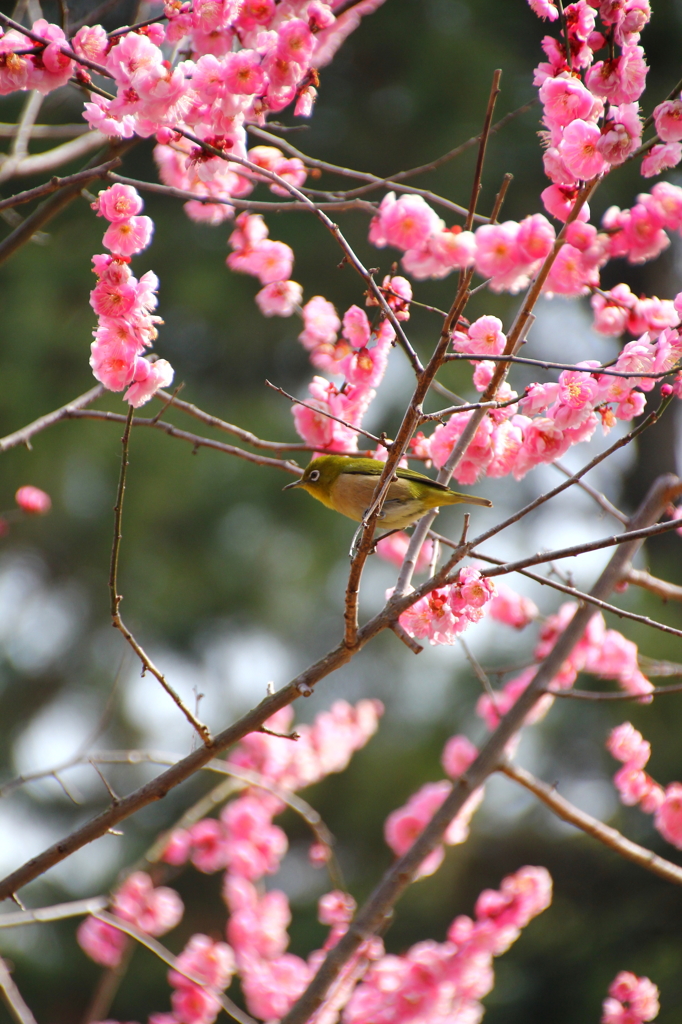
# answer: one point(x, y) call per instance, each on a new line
point(610, 837)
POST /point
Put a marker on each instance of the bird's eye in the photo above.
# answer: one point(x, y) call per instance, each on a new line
point(314, 476)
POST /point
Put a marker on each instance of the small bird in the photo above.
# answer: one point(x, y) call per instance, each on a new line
point(347, 485)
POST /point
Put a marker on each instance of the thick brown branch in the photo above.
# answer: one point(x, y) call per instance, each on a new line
point(81, 178)
point(661, 588)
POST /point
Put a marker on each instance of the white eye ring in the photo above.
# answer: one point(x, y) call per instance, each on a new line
point(314, 476)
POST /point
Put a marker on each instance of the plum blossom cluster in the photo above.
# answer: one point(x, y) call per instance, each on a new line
point(602, 652)
point(246, 845)
point(153, 911)
point(126, 326)
point(636, 787)
point(45, 70)
point(632, 1000)
point(223, 85)
point(359, 357)
point(247, 60)
point(443, 614)
point(406, 823)
point(557, 415)
point(445, 981)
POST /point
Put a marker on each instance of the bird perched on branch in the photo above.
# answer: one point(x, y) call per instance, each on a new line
point(347, 485)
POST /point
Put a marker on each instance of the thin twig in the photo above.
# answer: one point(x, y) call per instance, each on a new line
point(50, 159)
point(581, 596)
point(8, 129)
point(478, 670)
point(57, 912)
point(480, 159)
point(610, 837)
point(115, 597)
point(230, 428)
point(394, 181)
point(546, 364)
point(328, 415)
point(13, 997)
point(24, 435)
point(242, 204)
point(600, 498)
point(580, 549)
point(230, 1008)
point(374, 179)
point(595, 695)
point(194, 439)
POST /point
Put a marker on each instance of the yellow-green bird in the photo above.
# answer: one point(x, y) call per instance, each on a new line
point(347, 485)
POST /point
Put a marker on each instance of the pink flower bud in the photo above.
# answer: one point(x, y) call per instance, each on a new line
point(666, 390)
point(33, 501)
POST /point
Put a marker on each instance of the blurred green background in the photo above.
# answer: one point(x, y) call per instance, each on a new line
point(229, 583)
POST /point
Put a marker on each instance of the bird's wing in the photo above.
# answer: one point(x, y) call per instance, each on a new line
point(373, 467)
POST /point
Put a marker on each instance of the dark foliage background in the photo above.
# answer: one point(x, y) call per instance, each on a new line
point(214, 553)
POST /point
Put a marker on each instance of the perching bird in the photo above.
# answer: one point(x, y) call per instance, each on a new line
point(347, 485)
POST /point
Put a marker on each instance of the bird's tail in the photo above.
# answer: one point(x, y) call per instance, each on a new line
point(469, 499)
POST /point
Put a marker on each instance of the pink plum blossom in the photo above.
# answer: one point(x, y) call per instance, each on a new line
point(281, 298)
point(33, 501)
point(511, 608)
point(626, 744)
point(404, 223)
point(321, 323)
point(356, 327)
point(544, 9)
point(579, 150)
point(668, 819)
point(483, 337)
point(102, 942)
point(147, 379)
point(661, 158)
point(668, 119)
point(458, 753)
point(126, 237)
point(632, 1000)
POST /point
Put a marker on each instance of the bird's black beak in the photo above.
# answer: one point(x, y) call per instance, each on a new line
point(295, 483)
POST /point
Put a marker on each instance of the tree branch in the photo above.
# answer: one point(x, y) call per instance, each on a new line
point(115, 597)
point(661, 588)
point(13, 997)
point(610, 837)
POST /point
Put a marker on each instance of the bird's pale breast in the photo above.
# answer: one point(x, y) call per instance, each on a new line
point(352, 495)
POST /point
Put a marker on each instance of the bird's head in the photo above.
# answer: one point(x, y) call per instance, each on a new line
point(319, 476)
